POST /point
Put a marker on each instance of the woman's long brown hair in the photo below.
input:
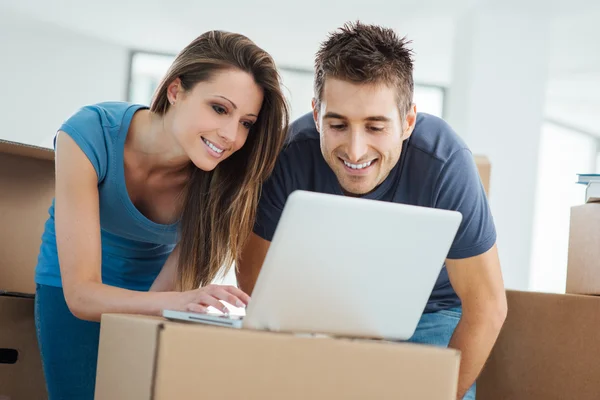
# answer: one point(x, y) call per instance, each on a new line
point(220, 206)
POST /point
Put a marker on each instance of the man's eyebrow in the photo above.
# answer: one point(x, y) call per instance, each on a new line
point(378, 118)
point(333, 115)
point(374, 118)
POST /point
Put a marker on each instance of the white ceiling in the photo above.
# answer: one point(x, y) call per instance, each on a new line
point(296, 28)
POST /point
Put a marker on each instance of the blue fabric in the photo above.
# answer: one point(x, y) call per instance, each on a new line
point(68, 347)
point(436, 329)
point(134, 249)
point(436, 169)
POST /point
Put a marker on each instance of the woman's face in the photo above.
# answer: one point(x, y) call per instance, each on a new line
point(212, 120)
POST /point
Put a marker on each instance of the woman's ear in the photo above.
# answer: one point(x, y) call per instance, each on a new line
point(174, 90)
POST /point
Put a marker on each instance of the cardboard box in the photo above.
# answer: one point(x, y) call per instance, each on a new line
point(583, 266)
point(27, 187)
point(485, 171)
point(144, 358)
point(21, 375)
point(548, 349)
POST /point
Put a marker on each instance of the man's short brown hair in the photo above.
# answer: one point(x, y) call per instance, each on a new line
point(370, 54)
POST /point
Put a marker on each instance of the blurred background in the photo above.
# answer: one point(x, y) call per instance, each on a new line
point(519, 81)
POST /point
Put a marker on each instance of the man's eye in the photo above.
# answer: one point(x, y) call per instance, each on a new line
point(219, 109)
point(376, 129)
point(337, 127)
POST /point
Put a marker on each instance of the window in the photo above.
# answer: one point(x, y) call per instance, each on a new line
point(147, 70)
point(563, 153)
point(298, 88)
point(145, 74)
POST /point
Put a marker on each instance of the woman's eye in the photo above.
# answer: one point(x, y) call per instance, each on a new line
point(247, 124)
point(219, 109)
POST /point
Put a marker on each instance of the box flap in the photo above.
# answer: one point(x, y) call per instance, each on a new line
point(27, 186)
point(4, 293)
point(26, 150)
point(547, 349)
point(127, 357)
point(260, 365)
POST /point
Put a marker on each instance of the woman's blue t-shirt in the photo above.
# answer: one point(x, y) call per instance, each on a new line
point(134, 249)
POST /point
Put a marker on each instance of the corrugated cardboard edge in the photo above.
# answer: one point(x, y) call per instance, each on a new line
point(137, 342)
point(26, 150)
point(17, 294)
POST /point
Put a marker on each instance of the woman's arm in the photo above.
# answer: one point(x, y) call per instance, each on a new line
point(77, 218)
point(165, 281)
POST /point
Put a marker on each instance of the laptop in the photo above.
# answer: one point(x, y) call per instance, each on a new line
point(344, 266)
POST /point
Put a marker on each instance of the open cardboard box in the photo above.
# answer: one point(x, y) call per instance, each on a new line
point(548, 349)
point(143, 358)
point(27, 187)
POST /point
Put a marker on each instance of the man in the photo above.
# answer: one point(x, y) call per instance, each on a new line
point(365, 139)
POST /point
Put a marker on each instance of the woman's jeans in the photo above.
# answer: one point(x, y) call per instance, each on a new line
point(68, 346)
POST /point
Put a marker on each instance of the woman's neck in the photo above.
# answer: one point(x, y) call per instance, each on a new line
point(154, 147)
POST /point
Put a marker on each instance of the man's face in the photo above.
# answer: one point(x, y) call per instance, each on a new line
point(361, 132)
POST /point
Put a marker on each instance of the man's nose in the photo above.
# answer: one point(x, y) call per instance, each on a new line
point(357, 147)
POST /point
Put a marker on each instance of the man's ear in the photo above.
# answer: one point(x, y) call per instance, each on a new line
point(411, 120)
point(315, 108)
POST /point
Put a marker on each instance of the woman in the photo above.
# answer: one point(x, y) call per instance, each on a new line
point(159, 198)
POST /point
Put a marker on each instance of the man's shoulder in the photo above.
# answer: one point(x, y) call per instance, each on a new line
point(303, 129)
point(303, 141)
point(435, 139)
point(300, 164)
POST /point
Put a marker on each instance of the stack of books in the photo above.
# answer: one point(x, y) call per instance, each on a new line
point(592, 192)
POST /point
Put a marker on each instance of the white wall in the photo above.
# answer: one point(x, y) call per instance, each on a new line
point(48, 72)
point(496, 103)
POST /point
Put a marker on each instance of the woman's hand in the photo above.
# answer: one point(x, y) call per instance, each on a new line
point(199, 300)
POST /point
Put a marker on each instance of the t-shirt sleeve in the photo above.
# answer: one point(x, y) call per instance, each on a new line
point(273, 196)
point(85, 128)
point(459, 188)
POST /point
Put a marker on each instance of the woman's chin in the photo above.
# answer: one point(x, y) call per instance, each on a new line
point(206, 164)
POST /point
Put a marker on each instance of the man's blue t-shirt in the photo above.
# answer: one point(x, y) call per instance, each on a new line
point(134, 248)
point(436, 169)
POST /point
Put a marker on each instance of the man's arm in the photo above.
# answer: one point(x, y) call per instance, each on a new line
point(479, 285)
point(251, 261)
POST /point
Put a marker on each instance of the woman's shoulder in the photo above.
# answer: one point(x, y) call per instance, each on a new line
point(107, 114)
point(95, 128)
